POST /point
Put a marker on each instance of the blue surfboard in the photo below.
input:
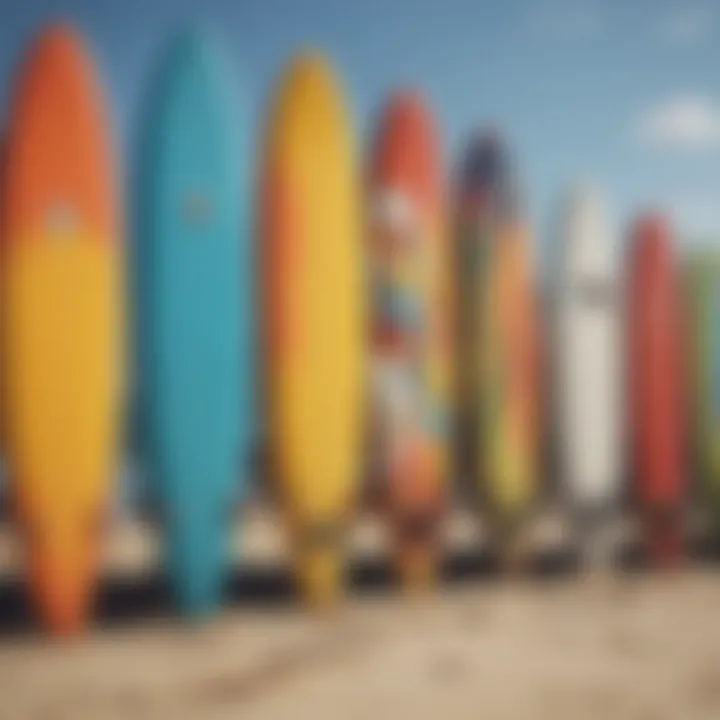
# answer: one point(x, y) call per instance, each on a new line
point(194, 315)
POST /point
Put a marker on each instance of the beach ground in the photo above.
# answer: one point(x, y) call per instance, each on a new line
point(633, 645)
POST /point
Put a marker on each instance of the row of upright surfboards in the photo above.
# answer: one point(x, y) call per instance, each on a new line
point(389, 309)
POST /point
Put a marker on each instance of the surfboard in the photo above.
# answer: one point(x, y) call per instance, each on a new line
point(508, 385)
point(410, 337)
point(656, 386)
point(481, 200)
point(703, 298)
point(588, 378)
point(314, 318)
point(195, 301)
point(62, 299)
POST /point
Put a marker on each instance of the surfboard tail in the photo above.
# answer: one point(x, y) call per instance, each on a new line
point(197, 563)
point(598, 549)
point(665, 540)
point(514, 556)
point(319, 577)
point(511, 541)
point(417, 543)
point(61, 581)
point(596, 535)
point(665, 547)
point(418, 570)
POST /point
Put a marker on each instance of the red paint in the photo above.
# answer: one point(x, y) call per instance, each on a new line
point(407, 155)
point(657, 421)
point(58, 143)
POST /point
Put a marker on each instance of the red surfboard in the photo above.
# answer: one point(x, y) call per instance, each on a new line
point(655, 366)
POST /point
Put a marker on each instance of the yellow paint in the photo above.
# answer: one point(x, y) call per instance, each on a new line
point(317, 380)
point(62, 357)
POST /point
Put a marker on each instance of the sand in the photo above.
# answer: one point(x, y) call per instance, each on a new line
point(641, 646)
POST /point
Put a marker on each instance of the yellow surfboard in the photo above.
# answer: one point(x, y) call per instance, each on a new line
point(314, 317)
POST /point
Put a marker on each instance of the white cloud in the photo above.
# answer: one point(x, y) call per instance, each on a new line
point(687, 24)
point(685, 121)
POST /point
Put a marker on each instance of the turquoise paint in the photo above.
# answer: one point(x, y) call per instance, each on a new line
point(194, 338)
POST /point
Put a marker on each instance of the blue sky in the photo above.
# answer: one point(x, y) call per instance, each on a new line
point(623, 92)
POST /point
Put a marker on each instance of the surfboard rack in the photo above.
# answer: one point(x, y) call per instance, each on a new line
point(261, 576)
point(260, 540)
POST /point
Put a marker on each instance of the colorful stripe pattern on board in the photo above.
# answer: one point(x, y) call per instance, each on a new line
point(410, 330)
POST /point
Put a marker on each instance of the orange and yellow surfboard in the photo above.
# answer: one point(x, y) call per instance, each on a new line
point(509, 385)
point(62, 317)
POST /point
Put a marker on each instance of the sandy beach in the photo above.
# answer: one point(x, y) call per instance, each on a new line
point(638, 646)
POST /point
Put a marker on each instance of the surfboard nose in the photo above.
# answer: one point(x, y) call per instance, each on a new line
point(59, 41)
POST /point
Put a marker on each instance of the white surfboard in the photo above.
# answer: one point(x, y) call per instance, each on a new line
point(588, 373)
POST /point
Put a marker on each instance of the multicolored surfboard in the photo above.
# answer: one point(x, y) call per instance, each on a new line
point(314, 318)
point(587, 378)
point(411, 341)
point(194, 293)
point(703, 295)
point(658, 417)
point(62, 313)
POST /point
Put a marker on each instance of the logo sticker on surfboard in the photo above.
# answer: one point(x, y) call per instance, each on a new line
point(593, 293)
point(197, 209)
point(61, 219)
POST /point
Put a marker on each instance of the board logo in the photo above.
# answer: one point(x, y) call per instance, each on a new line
point(596, 293)
point(61, 219)
point(197, 209)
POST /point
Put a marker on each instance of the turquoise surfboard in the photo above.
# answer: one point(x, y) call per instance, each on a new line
point(194, 315)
